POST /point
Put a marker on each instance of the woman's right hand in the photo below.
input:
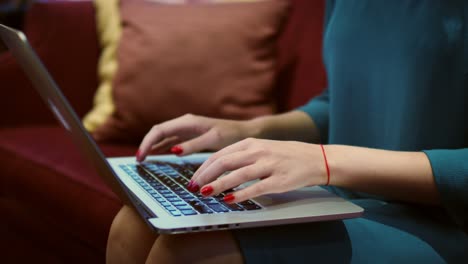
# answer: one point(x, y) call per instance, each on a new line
point(190, 133)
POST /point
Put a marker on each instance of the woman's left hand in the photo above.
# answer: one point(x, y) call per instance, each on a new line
point(281, 166)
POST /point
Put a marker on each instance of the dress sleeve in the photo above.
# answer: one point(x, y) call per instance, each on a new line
point(318, 110)
point(465, 41)
point(450, 169)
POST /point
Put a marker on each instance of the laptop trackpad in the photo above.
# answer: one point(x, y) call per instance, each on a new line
point(303, 196)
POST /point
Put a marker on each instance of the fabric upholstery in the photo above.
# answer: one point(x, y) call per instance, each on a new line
point(67, 45)
point(41, 168)
point(301, 71)
point(109, 28)
point(181, 53)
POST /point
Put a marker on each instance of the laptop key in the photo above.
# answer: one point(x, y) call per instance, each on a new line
point(201, 208)
point(170, 208)
point(180, 192)
point(161, 188)
point(181, 203)
point(173, 199)
point(184, 207)
point(159, 175)
point(173, 174)
point(175, 213)
point(170, 196)
point(247, 202)
point(209, 201)
point(204, 210)
point(252, 206)
point(155, 195)
point(234, 207)
point(177, 188)
point(188, 212)
point(181, 180)
point(186, 196)
point(218, 208)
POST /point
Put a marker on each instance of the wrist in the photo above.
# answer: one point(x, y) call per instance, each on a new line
point(326, 166)
point(257, 127)
point(337, 162)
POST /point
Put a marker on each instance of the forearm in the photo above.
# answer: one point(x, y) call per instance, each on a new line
point(294, 125)
point(405, 176)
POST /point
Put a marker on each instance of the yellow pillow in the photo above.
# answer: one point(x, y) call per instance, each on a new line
point(109, 32)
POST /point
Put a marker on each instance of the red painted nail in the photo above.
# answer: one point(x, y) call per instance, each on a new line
point(177, 150)
point(229, 198)
point(207, 190)
point(189, 185)
point(138, 157)
point(194, 187)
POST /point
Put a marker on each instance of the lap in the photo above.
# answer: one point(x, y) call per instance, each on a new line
point(132, 241)
point(387, 233)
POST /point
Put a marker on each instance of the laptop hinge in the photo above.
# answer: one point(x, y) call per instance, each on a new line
point(141, 208)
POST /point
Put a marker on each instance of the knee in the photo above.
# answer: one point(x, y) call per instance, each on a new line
point(117, 236)
point(173, 249)
point(209, 247)
point(118, 228)
point(129, 239)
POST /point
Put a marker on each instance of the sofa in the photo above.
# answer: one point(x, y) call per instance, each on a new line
point(54, 207)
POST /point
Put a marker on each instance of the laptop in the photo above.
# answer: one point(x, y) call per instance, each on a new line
point(156, 188)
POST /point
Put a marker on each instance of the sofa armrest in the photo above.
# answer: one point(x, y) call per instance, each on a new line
point(63, 34)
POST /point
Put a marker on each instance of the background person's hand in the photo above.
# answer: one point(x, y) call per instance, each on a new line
point(190, 133)
point(281, 166)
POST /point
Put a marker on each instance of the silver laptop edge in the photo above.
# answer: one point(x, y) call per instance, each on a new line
point(304, 205)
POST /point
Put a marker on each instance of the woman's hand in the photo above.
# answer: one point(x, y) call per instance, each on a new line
point(280, 166)
point(191, 133)
point(195, 133)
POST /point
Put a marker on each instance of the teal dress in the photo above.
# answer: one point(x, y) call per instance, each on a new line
point(397, 80)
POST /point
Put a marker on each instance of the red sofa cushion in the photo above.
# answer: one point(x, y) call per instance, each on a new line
point(42, 169)
point(302, 74)
point(64, 36)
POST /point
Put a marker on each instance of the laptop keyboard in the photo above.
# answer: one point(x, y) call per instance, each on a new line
point(166, 183)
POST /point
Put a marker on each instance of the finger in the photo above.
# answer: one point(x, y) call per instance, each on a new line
point(236, 178)
point(165, 145)
point(178, 127)
point(229, 162)
point(203, 142)
point(260, 188)
point(239, 146)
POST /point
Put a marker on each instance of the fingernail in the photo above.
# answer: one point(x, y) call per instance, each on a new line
point(177, 150)
point(137, 155)
point(229, 198)
point(189, 185)
point(194, 187)
point(207, 190)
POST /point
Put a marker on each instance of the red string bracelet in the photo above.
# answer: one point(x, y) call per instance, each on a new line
point(326, 164)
